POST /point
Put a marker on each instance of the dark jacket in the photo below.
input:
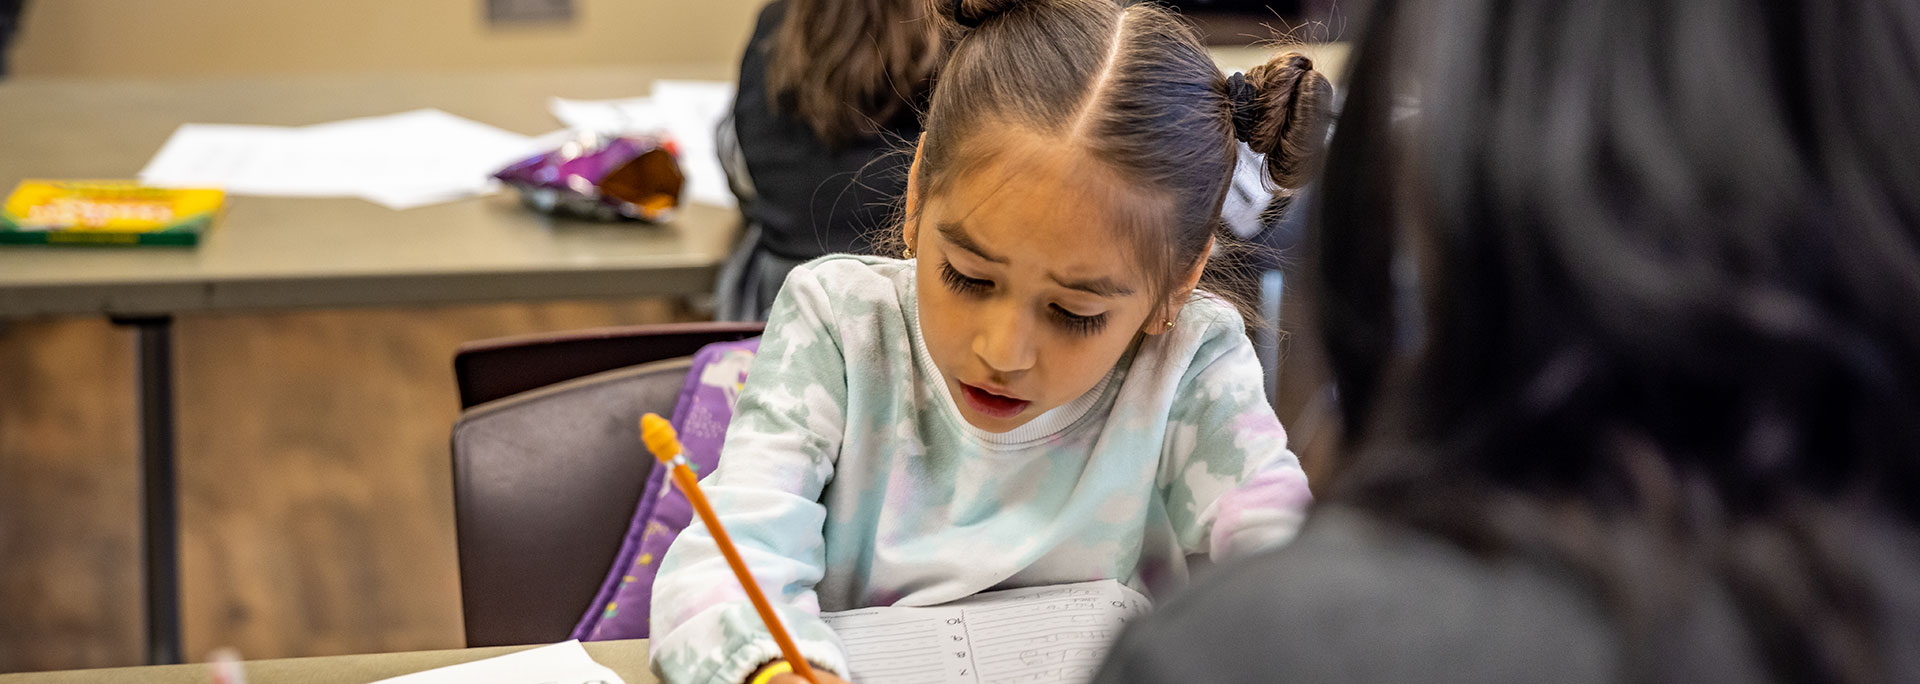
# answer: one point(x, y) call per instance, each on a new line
point(1358, 601)
point(810, 199)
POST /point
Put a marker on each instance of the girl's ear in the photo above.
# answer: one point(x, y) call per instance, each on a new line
point(912, 223)
point(1182, 291)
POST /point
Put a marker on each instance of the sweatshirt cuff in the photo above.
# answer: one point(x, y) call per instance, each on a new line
point(727, 643)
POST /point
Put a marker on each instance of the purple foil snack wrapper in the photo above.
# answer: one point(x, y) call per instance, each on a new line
point(602, 177)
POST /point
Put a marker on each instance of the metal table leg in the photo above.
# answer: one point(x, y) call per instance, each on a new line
point(159, 521)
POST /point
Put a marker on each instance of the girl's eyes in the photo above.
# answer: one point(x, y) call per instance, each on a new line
point(1067, 320)
point(960, 283)
point(1078, 324)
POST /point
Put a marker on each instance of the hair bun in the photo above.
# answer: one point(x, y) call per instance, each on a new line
point(970, 14)
point(1284, 115)
point(1245, 99)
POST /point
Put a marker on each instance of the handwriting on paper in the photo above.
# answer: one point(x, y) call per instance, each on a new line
point(1037, 635)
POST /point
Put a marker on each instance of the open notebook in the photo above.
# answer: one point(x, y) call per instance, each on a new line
point(1036, 635)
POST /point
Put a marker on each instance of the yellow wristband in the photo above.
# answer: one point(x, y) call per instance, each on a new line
point(779, 667)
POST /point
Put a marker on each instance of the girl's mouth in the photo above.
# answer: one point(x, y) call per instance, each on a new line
point(990, 404)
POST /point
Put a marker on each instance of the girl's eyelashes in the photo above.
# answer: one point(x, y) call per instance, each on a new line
point(1078, 324)
point(960, 283)
point(1067, 320)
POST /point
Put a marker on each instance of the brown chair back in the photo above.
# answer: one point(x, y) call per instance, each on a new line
point(544, 484)
point(502, 367)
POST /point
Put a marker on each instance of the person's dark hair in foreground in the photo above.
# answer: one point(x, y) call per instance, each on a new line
point(1626, 325)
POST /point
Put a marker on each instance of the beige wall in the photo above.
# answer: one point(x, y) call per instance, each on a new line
point(177, 38)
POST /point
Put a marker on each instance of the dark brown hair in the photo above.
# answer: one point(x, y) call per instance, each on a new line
point(1661, 327)
point(850, 68)
point(1134, 89)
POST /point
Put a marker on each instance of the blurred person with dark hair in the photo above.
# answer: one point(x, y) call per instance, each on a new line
point(1625, 322)
point(10, 11)
point(823, 126)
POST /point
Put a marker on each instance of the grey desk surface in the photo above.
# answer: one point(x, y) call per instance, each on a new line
point(627, 658)
point(270, 252)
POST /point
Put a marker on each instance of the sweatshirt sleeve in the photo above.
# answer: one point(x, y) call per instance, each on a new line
point(1231, 485)
point(779, 454)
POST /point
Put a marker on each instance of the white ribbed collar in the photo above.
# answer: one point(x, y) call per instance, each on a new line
point(1042, 427)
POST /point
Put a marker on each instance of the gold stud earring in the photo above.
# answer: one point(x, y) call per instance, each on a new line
point(1169, 325)
point(906, 253)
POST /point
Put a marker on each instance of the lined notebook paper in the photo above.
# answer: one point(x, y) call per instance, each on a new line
point(1036, 635)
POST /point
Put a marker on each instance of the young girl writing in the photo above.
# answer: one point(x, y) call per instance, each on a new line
point(1037, 393)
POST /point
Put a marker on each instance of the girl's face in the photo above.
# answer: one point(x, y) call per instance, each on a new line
point(1026, 297)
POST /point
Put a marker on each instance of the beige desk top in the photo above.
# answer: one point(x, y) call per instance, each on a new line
point(627, 658)
point(286, 252)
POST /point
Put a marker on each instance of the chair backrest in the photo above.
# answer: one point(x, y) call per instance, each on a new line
point(544, 486)
point(502, 367)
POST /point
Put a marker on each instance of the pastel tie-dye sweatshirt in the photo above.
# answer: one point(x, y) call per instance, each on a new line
point(849, 478)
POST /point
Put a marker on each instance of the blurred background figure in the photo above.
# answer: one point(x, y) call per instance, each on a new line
point(1623, 326)
point(9, 23)
point(823, 128)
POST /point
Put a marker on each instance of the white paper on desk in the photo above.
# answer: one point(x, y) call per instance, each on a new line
point(244, 160)
point(1036, 635)
point(689, 112)
point(400, 160)
point(629, 115)
point(563, 663)
point(420, 157)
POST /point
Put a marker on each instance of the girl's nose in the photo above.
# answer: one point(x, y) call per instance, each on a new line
point(1004, 341)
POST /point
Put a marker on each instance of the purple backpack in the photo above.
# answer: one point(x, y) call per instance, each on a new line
point(700, 415)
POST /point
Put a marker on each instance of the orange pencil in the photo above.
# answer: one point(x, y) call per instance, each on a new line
point(665, 445)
